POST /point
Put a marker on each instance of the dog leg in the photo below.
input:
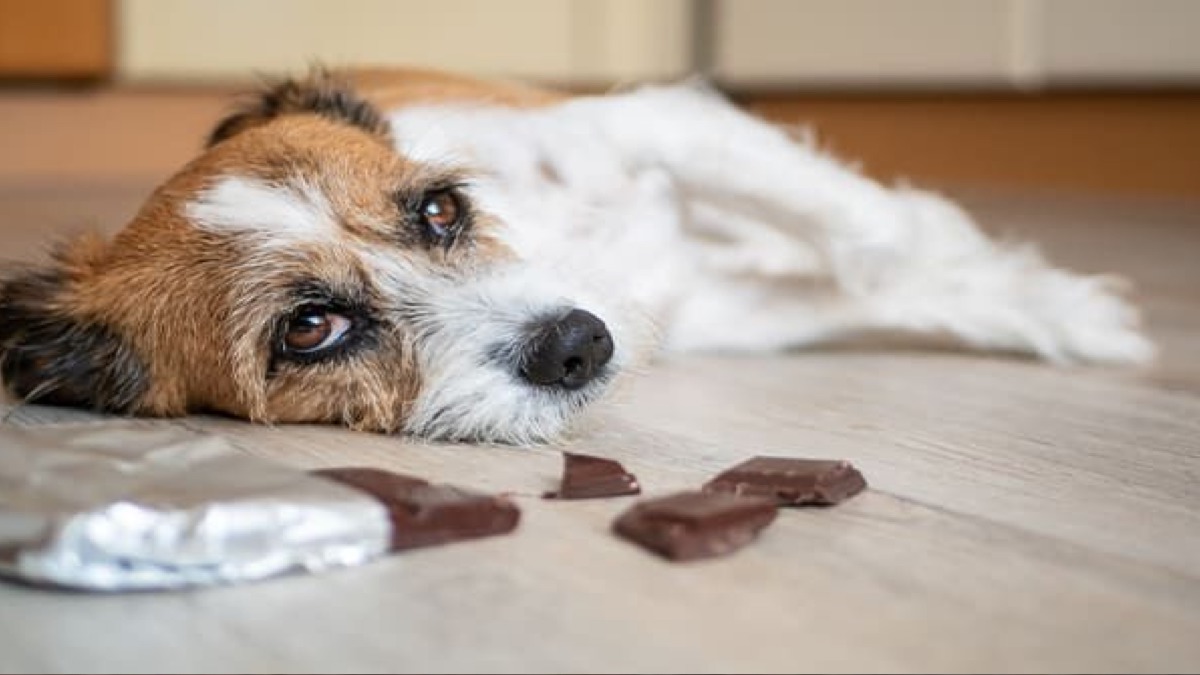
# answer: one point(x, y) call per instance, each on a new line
point(866, 257)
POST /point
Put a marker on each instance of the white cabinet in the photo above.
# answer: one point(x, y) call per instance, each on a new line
point(935, 43)
point(1102, 41)
point(579, 41)
point(847, 42)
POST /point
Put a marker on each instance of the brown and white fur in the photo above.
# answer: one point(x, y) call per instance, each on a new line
point(479, 261)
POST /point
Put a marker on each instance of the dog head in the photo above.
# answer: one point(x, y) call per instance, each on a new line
point(302, 270)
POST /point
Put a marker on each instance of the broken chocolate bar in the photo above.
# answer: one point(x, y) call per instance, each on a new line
point(693, 525)
point(425, 515)
point(585, 477)
point(791, 481)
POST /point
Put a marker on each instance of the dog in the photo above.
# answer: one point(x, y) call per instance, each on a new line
point(418, 252)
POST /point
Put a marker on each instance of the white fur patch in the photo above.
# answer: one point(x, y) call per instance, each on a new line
point(284, 213)
point(471, 334)
point(735, 236)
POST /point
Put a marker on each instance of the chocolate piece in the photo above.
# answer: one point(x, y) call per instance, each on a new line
point(425, 515)
point(692, 525)
point(585, 477)
point(791, 481)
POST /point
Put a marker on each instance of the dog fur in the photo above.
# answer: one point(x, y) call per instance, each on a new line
point(677, 219)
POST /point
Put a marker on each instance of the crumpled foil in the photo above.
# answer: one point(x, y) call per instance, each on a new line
point(127, 506)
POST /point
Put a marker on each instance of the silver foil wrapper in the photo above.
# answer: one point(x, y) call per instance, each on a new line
point(125, 506)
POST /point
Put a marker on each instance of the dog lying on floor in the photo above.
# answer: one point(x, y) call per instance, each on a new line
point(419, 252)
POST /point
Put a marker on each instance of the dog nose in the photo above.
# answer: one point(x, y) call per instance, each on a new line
point(567, 352)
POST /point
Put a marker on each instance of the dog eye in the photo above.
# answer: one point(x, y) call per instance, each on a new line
point(440, 214)
point(313, 328)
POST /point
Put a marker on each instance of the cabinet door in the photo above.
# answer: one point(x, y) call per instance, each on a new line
point(68, 39)
point(1121, 41)
point(860, 42)
point(573, 41)
point(939, 43)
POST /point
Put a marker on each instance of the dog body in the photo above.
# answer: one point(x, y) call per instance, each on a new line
point(410, 251)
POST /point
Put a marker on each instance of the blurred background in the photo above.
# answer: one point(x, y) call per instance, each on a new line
point(1053, 95)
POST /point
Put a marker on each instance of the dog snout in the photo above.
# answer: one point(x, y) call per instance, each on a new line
point(567, 352)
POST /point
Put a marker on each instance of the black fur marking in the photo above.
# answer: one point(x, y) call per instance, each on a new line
point(49, 357)
point(320, 94)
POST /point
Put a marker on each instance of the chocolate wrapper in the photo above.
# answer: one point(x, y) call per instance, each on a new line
point(127, 506)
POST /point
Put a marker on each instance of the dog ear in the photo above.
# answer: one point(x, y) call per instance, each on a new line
point(321, 93)
point(49, 354)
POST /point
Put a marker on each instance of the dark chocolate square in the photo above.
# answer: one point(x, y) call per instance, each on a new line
point(694, 525)
point(790, 481)
point(586, 477)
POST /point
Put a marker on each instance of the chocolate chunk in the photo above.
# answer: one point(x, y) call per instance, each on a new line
point(692, 525)
point(585, 477)
point(790, 481)
point(425, 515)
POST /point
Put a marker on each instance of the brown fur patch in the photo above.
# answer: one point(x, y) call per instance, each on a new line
point(215, 295)
point(390, 88)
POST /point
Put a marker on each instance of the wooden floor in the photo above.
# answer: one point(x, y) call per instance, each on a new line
point(1020, 517)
